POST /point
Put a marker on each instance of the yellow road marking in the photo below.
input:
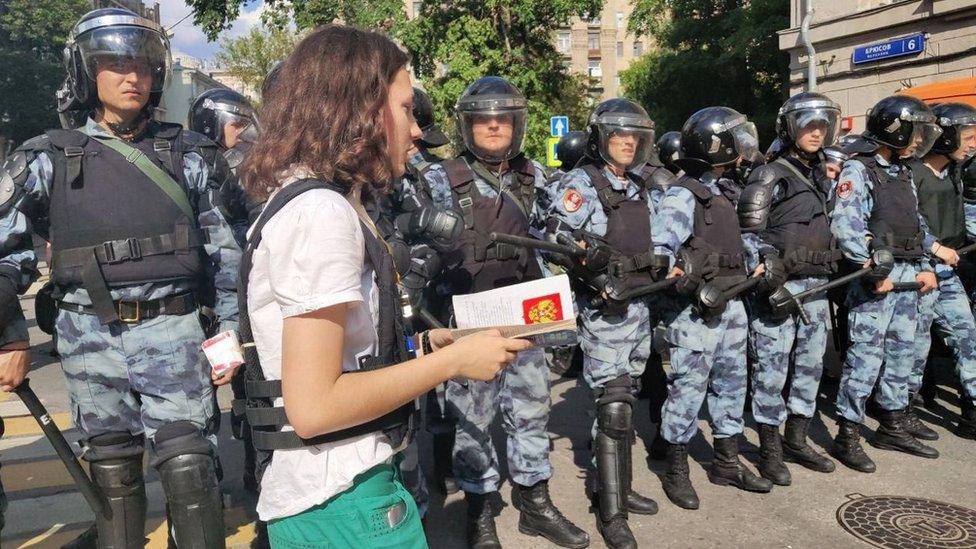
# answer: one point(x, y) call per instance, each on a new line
point(27, 425)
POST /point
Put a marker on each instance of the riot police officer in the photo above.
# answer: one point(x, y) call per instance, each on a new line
point(605, 200)
point(494, 187)
point(785, 210)
point(877, 209)
point(570, 149)
point(940, 200)
point(128, 290)
point(669, 150)
point(707, 340)
point(227, 119)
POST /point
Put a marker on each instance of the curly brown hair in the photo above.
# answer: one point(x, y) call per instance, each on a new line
point(325, 112)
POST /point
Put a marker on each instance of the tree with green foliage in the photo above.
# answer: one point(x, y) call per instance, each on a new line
point(454, 43)
point(32, 36)
point(252, 56)
point(710, 52)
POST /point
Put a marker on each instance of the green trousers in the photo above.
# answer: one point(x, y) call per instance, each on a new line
point(376, 512)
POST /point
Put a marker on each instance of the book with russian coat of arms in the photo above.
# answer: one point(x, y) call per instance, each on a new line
point(540, 310)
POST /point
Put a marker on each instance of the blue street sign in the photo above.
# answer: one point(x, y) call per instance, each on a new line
point(909, 45)
point(558, 126)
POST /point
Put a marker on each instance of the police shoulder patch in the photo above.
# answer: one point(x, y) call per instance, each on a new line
point(844, 189)
point(572, 200)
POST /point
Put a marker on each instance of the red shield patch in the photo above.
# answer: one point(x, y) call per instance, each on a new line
point(572, 200)
point(844, 189)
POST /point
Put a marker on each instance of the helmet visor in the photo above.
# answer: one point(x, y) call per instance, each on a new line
point(625, 146)
point(816, 124)
point(746, 140)
point(493, 135)
point(126, 50)
point(924, 135)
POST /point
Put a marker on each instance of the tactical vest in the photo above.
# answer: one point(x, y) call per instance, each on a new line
point(799, 224)
point(111, 225)
point(716, 237)
point(655, 176)
point(264, 417)
point(483, 264)
point(940, 201)
point(628, 231)
point(894, 218)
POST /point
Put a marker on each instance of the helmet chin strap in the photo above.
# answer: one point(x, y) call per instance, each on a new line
point(131, 129)
point(800, 153)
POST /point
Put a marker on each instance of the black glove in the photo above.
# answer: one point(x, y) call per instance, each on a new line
point(774, 275)
point(9, 304)
point(698, 267)
point(598, 257)
point(882, 263)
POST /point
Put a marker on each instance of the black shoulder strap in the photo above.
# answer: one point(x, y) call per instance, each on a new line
point(700, 191)
point(71, 144)
point(461, 177)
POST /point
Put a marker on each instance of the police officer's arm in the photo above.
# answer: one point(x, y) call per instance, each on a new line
point(27, 199)
point(221, 246)
point(852, 209)
point(571, 202)
point(541, 204)
point(439, 185)
point(674, 223)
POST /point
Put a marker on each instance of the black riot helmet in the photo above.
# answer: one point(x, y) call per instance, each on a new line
point(213, 109)
point(423, 113)
point(71, 114)
point(115, 38)
point(669, 149)
point(805, 109)
point(716, 136)
point(570, 149)
point(953, 119)
point(901, 122)
point(621, 117)
point(492, 98)
point(968, 174)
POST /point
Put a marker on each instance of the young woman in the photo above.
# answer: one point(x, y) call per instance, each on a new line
point(340, 112)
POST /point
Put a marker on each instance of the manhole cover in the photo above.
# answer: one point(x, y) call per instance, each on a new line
point(895, 522)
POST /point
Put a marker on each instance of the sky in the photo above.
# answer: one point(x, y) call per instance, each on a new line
point(190, 40)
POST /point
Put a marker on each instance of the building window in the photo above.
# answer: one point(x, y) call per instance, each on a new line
point(595, 20)
point(620, 49)
point(594, 69)
point(620, 19)
point(638, 48)
point(418, 7)
point(563, 42)
point(593, 42)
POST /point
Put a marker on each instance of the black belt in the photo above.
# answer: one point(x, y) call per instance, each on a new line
point(133, 312)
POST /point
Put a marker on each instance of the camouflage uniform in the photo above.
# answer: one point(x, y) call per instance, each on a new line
point(882, 327)
point(708, 357)
point(520, 392)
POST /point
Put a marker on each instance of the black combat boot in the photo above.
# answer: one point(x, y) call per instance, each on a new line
point(443, 458)
point(677, 483)
point(847, 447)
point(967, 424)
point(892, 435)
point(914, 425)
point(539, 517)
point(727, 469)
point(481, 522)
point(771, 464)
point(797, 450)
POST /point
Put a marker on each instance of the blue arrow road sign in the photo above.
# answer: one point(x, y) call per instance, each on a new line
point(909, 45)
point(559, 126)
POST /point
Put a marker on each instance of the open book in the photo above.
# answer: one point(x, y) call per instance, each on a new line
point(541, 311)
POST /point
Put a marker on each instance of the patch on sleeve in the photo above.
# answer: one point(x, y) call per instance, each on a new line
point(844, 189)
point(572, 200)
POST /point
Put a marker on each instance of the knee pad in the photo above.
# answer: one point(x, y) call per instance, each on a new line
point(620, 389)
point(615, 419)
point(187, 470)
point(116, 467)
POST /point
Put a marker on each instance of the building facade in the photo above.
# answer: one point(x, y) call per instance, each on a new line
point(869, 49)
point(601, 47)
point(137, 6)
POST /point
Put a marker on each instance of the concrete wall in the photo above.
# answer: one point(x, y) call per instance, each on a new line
point(950, 47)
